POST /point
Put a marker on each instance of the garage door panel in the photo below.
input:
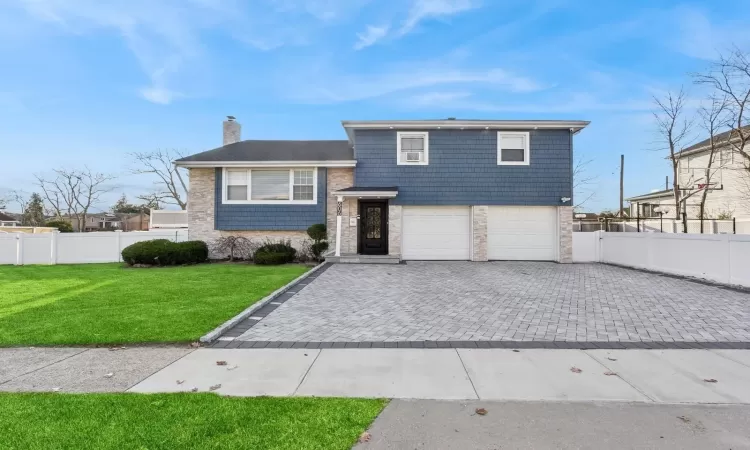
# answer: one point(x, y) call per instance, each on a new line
point(522, 233)
point(436, 233)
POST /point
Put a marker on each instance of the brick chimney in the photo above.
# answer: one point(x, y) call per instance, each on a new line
point(231, 131)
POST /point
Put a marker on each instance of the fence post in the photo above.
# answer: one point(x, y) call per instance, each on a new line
point(117, 244)
point(19, 249)
point(53, 247)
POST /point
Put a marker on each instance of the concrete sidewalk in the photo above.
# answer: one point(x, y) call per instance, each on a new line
point(668, 376)
point(672, 376)
point(448, 425)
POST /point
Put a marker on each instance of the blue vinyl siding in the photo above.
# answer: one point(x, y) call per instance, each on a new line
point(270, 217)
point(463, 169)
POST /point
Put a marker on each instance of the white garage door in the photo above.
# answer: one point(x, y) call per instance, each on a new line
point(522, 233)
point(436, 232)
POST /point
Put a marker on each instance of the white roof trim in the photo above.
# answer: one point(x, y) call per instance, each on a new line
point(651, 195)
point(347, 163)
point(377, 194)
point(573, 125)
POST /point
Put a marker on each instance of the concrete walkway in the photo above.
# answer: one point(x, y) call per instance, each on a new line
point(651, 376)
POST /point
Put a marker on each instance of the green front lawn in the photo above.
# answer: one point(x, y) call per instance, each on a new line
point(111, 304)
point(181, 421)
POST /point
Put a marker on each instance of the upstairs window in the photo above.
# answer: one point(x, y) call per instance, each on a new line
point(512, 148)
point(412, 148)
point(270, 186)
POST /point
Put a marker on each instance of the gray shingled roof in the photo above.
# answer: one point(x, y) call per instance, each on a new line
point(719, 137)
point(277, 151)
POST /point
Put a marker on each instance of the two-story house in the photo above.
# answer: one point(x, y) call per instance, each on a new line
point(414, 189)
point(727, 183)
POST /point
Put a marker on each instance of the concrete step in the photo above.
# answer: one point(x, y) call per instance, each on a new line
point(364, 259)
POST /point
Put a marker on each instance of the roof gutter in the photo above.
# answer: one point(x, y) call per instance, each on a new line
point(209, 164)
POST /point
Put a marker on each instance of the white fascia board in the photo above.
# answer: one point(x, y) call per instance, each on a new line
point(380, 194)
point(205, 164)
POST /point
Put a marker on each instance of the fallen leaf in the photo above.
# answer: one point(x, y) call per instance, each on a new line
point(575, 370)
point(612, 359)
point(180, 381)
point(114, 349)
point(232, 368)
point(364, 437)
point(710, 380)
point(221, 363)
point(214, 387)
point(195, 389)
point(481, 411)
point(516, 351)
point(109, 375)
point(684, 419)
point(609, 374)
point(195, 344)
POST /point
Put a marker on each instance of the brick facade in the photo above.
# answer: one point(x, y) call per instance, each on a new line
point(340, 179)
point(565, 220)
point(479, 232)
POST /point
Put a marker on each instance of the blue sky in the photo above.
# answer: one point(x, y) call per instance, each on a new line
point(88, 81)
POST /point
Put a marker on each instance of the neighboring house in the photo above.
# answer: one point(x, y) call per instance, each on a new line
point(729, 190)
point(417, 190)
point(97, 222)
point(6, 220)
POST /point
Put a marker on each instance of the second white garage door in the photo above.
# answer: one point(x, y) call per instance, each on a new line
point(522, 233)
point(436, 233)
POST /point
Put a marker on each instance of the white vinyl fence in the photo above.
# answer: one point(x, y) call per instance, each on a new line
point(723, 258)
point(75, 248)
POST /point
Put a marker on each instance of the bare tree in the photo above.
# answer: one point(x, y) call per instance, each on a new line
point(673, 128)
point(730, 76)
point(582, 182)
point(73, 192)
point(713, 118)
point(170, 186)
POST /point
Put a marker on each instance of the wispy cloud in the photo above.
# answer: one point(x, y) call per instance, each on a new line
point(698, 37)
point(331, 88)
point(422, 10)
point(371, 35)
point(418, 11)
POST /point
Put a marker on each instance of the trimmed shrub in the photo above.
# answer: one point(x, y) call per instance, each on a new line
point(61, 225)
point(163, 252)
point(317, 232)
point(271, 258)
point(283, 248)
point(318, 248)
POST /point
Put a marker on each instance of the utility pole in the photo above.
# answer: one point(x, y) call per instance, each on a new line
point(622, 184)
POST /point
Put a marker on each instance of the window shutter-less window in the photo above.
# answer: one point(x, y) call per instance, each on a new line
point(513, 148)
point(236, 184)
point(269, 184)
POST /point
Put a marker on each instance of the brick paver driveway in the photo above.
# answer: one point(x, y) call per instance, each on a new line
point(501, 301)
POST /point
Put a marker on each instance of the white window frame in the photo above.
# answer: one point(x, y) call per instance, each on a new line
point(526, 150)
point(226, 201)
point(425, 136)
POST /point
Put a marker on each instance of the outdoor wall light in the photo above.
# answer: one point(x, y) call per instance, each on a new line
point(565, 199)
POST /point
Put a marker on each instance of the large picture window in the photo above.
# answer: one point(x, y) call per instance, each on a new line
point(270, 186)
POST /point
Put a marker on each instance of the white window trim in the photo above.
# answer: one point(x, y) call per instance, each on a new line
point(526, 151)
point(226, 201)
point(424, 135)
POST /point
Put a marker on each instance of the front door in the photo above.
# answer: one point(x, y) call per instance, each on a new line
point(373, 227)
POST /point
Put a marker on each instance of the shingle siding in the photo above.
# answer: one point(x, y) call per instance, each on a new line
point(463, 169)
point(270, 217)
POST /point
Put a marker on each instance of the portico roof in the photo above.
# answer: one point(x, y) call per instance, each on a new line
point(367, 192)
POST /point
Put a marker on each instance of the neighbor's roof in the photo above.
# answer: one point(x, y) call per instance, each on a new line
point(721, 137)
point(657, 194)
point(269, 152)
point(7, 218)
point(452, 123)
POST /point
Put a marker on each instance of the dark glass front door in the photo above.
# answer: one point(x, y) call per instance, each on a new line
point(373, 228)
